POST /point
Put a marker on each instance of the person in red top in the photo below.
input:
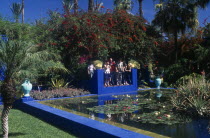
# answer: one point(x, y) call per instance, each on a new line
point(112, 71)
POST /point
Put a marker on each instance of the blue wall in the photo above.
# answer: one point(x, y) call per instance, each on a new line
point(4, 38)
point(74, 124)
point(96, 84)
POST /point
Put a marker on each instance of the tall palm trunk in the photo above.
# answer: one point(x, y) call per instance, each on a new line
point(75, 6)
point(90, 5)
point(23, 11)
point(140, 8)
point(8, 97)
point(176, 45)
point(4, 120)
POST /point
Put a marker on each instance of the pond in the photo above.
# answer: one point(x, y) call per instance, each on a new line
point(145, 112)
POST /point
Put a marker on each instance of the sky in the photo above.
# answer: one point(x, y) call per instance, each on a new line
point(36, 9)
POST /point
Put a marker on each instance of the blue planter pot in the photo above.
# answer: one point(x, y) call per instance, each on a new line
point(26, 87)
point(157, 82)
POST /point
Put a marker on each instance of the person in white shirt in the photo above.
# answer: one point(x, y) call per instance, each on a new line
point(107, 76)
point(91, 69)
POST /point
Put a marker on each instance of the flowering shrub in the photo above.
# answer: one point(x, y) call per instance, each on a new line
point(56, 93)
point(97, 36)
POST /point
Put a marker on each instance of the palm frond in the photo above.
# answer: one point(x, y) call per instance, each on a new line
point(20, 58)
point(16, 9)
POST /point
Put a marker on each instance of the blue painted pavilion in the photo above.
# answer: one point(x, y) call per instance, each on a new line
point(96, 84)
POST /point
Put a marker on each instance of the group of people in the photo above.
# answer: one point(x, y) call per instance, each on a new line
point(115, 73)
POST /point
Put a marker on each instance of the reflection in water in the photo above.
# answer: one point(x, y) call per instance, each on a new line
point(158, 94)
point(109, 116)
point(121, 109)
point(122, 117)
point(92, 115)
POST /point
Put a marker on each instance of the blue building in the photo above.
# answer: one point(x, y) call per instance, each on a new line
point(96, 84)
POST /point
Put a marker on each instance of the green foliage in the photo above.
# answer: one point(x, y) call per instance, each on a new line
point(8, 93)
point(20, 58)
point(16, 31)
point(124, 106)
point(185, 79)
point(193, 96)
point(24, 60)
point(123, 5)
point(174, 18)
point(134, 64)
point(161, 118)
point(16, 9)
point(59, 83)
point(68, 5)
point(176, 71)
point(92, 36)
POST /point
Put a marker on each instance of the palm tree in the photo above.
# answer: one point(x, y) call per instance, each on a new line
point(68, 5)
point(201, 3)
point(23, 6)
point(16, 9)
point(140, 8)
point(20, 59)
point(75, 6)
point(123, 5)
point(176, 17)
point(90, 5)
point(98, 6)
point(159, 7)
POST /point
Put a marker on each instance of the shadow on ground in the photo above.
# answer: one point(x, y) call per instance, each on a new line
point(15, 134)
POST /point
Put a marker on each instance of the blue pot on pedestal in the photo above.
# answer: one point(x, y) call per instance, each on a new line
point(26, 87)
point(158, 82)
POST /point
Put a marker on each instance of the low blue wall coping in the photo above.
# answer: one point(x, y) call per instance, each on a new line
point(75, 124)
